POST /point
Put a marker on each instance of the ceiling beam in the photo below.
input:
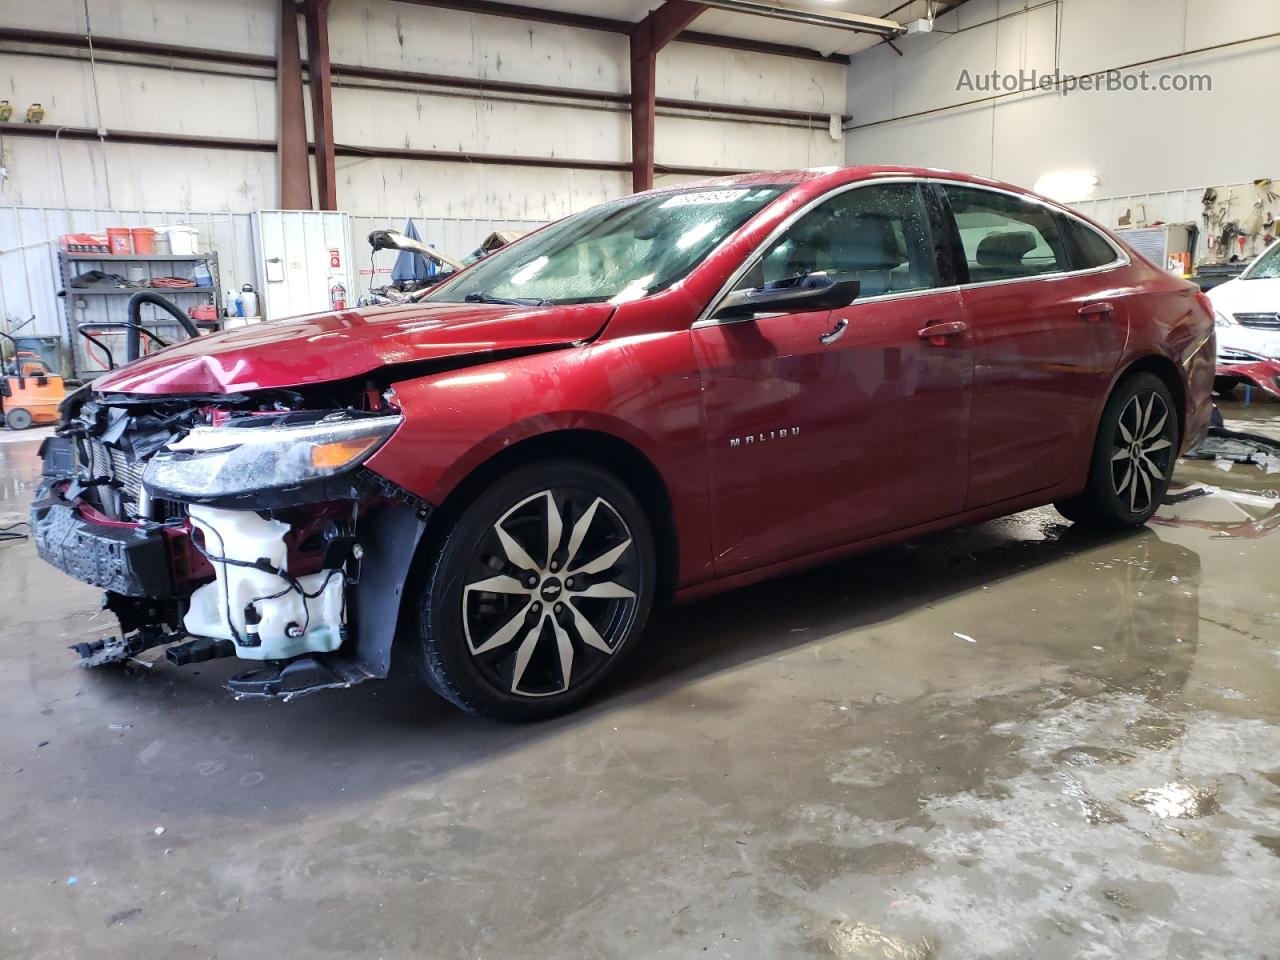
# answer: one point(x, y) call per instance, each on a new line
point(833, 20)
point(513, 11)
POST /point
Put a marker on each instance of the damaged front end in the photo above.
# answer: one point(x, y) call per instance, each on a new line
point(1240, 367)
point(234, 525)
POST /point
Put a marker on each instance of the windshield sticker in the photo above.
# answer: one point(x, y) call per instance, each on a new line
point(704, 197)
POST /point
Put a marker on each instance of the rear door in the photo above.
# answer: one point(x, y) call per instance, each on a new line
point(829, 426)
point(1049, 329)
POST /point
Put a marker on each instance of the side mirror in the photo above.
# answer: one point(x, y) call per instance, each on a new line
point(816, 291)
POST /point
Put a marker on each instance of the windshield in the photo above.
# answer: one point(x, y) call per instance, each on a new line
point(1266, 267)
point(618, 251)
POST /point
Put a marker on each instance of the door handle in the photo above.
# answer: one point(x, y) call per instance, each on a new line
point(1096, 311)
point(937, 333)
point(835, 333)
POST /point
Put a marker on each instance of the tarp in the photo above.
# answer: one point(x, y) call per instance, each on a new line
point(409, 264)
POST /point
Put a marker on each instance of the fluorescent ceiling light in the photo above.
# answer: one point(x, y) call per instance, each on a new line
point(832, 19)
point(1067, 186)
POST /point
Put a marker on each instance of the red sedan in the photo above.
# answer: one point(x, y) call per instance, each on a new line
point(669, 395)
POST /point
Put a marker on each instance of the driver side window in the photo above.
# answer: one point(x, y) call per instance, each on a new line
point(877, 235)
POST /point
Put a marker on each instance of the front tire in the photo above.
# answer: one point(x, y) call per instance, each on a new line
point(1133, 457)
point(538, 591)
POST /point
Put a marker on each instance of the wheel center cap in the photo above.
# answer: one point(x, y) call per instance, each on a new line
point(551, 589)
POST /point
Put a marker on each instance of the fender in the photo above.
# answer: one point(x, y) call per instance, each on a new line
point(659, 414)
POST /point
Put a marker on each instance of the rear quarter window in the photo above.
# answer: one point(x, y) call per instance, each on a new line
point(1087, 248)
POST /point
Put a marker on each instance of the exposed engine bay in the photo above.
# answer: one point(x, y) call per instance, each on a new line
point(233, 525)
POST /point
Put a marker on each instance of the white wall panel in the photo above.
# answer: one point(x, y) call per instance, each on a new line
point(135, 176)
point(404, 36)
point(472, 190)
point(425, 121)
point(1135, 143)
point(1101, 34)
point(691, 141)
point(960, 140)
point(160, 101)
point(689, 71)
point(247, 26)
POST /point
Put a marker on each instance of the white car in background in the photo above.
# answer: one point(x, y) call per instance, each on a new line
point(1248, 326)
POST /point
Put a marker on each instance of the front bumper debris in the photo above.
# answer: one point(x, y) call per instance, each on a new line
point(306, 579)
point(126, 559)
point(1259, 372)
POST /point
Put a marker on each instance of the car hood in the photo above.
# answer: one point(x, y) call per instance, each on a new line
point(325, 347)
point(1247, 296)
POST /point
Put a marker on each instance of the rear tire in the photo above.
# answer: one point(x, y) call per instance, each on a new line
point(1133, 457)
point(536, 593)
point(17, 419)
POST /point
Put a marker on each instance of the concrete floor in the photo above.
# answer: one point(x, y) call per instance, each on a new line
point(826, 765)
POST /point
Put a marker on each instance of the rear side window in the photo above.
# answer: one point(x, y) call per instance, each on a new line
point(1005, 238)
point(1088, 248)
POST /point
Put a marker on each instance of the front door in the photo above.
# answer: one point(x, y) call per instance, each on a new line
point(830, 426)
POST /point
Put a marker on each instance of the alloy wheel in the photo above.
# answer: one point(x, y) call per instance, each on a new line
point(1142, 456)
point(551, 592)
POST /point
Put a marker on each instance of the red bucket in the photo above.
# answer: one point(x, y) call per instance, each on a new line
point(120, 240)
point(144, 240)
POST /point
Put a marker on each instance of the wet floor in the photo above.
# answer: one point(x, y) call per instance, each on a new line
point(1013, 740)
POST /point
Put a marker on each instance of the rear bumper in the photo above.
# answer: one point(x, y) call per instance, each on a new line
point(126, 559)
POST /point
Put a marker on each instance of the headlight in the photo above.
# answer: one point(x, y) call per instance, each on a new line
point(1221, 319)
point(264, 454)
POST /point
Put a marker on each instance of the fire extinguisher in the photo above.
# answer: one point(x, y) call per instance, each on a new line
point(338, 296)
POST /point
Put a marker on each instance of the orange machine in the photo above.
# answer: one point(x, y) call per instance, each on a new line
point(29, 392)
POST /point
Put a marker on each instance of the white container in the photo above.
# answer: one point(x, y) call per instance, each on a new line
point(244, 536)
point(249, 299)
point(183, 240)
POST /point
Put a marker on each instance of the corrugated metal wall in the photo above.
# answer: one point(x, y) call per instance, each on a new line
point(29, 279)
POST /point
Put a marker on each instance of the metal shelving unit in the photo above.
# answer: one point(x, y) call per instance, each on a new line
point(103, 304)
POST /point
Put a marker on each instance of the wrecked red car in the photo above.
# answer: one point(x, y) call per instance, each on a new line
point(1240, 367)
point(669, 395)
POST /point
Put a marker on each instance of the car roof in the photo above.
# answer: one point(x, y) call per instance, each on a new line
point(822, 177)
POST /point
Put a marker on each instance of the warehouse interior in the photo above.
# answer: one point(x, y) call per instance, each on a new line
point(1007, 736)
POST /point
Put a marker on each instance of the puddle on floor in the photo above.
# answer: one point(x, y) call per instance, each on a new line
point(1091, 756)
point(1181, 801)
point(862, 941)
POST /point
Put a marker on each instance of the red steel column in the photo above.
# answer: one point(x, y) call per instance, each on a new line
point(291, 122)
point(321, 101)
point(648, 37)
